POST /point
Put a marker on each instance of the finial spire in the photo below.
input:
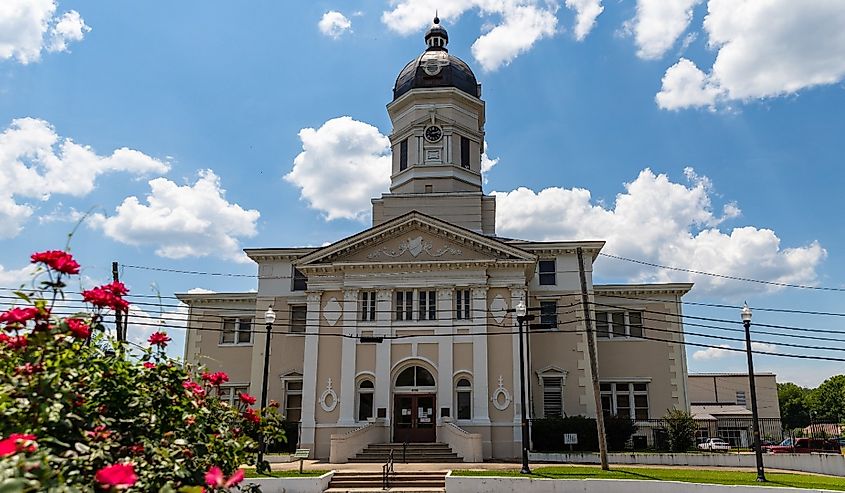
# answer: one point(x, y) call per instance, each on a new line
point(436, 18)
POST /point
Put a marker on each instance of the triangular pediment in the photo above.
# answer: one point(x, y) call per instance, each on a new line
point(415, 237)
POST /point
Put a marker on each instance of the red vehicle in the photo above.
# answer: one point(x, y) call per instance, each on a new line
point(804, 446)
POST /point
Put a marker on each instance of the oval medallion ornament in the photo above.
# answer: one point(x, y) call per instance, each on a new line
point(328, 399)
point(501, 397)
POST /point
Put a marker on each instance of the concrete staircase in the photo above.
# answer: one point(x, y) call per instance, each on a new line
point(400, 482)
point(416, 452)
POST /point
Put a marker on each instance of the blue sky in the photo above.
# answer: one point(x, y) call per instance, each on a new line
point(706, 135)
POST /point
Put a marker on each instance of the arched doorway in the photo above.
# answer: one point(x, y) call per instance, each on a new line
point(414, 406)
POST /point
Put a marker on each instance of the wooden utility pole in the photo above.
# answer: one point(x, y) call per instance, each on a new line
point(594, 370)
point(118, 318)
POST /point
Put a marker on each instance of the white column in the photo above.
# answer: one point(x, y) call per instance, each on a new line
point(480, 384)
point(517, 295)
point(384, 320)
point(347, 362)
point(309, 369)
point(445, 364)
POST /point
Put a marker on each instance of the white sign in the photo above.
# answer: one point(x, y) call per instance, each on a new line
point(570, 438)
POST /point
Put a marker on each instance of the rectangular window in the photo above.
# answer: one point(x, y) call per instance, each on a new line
point(548, 314)
point(298, 315)
point(236, 331)
point(293, 400)
point(547, 273)
point(462, 304)
point(229, 393)
point(740, 398)
point(367, 301)
point(464, 152)
point(464, 404)
point(552, 397)
point(428, 305)
point(300, 282)
point(403, 155)
point(365, 406)
point(619, 324)
point(625, 399)
point(404, 305)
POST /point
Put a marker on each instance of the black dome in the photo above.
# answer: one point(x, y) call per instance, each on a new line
point(436, 67)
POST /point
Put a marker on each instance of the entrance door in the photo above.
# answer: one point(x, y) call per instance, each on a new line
point(414, 418)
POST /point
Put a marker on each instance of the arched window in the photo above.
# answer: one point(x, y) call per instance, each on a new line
point(415, 376)
point(463, 398)
point(366, 389)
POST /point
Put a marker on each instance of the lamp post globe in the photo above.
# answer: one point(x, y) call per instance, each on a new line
point(521, 309)
point(270, 315)
point(745, 314)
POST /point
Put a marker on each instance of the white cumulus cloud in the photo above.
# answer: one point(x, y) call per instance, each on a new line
point(35, 163)
point(658, 24)
point(712, 353)
point(334, 24)
point(764, 49)
point(182, 221)
point(686, 85)
point(586, 13)
point(343, 164)
point(28, 27)
point(521, 23)
point(662, 222)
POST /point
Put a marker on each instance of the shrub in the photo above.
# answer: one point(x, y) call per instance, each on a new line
point(94, 416)
point(619, 430)
point(680, 430)
point(547, 433)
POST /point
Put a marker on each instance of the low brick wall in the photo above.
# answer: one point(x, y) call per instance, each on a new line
point(316, 484)
point(830, 464)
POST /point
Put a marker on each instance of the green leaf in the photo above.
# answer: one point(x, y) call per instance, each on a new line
point(23, 296)
point(81, 448)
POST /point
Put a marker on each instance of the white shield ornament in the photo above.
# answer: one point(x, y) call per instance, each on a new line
point(415, 245)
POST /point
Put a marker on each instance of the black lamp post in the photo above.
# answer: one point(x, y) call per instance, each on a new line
point(758, 451)
point(269, 318)
point(521, 317)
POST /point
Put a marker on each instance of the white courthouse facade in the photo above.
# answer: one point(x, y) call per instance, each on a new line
point(401, 332)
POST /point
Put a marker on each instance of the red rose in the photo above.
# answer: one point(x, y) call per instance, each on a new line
point(149, 365)
point(194, 387)
point(136, 449)
point(78, 328)
point(18, 315)
point(246, 398)
point(100, 432)
point(17, 442)
point(13, 342)
point(107, 296)
point(57, 260)
point(28, 369)
point(217, 378)
point(117, 475)
point(251, 415)
point(215, 479)
point(159, 339)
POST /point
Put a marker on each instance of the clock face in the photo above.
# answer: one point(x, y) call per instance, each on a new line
point(433, 133)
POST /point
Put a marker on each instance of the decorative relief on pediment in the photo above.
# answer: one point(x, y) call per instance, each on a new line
point(415, 246)
point(331, 311)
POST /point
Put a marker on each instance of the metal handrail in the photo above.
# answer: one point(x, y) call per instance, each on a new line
point(405, 450)
point(386, 471)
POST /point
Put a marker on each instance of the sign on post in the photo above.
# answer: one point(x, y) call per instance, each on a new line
point(570, 438)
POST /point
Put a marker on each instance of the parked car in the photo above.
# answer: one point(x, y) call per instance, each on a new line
point(805, 446)
point(714, 445)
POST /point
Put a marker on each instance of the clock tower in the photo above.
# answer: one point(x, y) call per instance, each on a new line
point(437, 141)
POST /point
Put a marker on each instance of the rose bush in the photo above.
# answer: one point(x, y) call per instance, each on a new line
point(77, 417)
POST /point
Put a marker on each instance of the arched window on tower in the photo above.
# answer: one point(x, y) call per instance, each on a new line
point(415, 376)
point(463, 398)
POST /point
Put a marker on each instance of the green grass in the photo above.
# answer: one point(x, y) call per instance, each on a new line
point(250, 473)
point(686, 475)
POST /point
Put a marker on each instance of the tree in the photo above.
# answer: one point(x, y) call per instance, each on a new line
point(680, 429)
point(827, 401)
point(794, 405)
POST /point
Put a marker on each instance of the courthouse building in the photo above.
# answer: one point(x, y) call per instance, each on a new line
point(402, 331)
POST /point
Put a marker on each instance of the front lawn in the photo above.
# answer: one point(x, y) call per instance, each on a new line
point(250, 473)
point(712, 476)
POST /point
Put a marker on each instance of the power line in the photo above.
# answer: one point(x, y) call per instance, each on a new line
point(722, 276)
point(722, 305)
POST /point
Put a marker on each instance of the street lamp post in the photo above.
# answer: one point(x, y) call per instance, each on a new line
point(758, 452)
point(521, 317)
point(269, 318)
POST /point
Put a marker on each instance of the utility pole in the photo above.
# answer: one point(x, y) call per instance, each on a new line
point(594, 370)
point(118, 318)
point(758, 452)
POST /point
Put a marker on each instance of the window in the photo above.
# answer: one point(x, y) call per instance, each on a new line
point(547, 273)
point(415, 376)
point(552, 397)
point(300, 282)
point(463, 398)
point(404, 305)
point(366, 390)
point(293, 400)
point(740, 398)
point(464, 152)
point(403, 155)
point(625, 399)
point(428, 305)
point(429, 189)
point(298, 315)
point(462, 304)
point(229, 393)
point(619, 324)
point(367, 300)
point(548, 314)
point(236, 331)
